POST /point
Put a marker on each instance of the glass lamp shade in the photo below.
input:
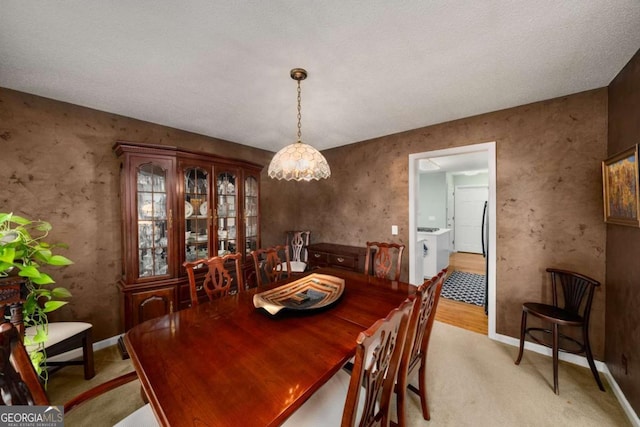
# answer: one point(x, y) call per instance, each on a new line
point(299, 162)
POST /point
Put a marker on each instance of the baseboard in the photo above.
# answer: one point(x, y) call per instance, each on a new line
point(106, 343)
point(77, 353)
point(626, 406)
point(580, 361)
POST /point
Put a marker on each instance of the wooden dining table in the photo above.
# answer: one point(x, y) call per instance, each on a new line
point(226, 363)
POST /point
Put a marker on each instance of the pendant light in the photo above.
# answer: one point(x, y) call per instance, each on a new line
point(299, 161)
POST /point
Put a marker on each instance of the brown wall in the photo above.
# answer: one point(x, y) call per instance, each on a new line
point(60, 167)
point(57, 164)
point(623, 245)
point(549, 195)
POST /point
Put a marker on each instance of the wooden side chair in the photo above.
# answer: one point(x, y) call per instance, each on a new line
point(218, 280)
point(19, 383)
point(417, 346)
point(271, 264)
point(62, 337)
point(379, 260)
point(362, 398)
point(298, 242)
point(575, 287)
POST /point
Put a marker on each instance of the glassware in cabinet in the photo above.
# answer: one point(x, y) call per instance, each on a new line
point(251, 226)
point(152, 220)
point(196, 215)
point(226, 212)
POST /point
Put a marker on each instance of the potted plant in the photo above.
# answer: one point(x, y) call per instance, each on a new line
point(23, 251)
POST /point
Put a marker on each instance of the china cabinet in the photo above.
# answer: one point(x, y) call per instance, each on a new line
point(177, 206)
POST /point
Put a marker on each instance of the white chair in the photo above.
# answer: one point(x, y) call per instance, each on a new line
point(298, 242)
point(21, 386)
point(365, 395)
point(63, 337)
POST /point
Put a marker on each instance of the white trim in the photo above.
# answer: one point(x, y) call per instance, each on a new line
point(77, 353)
point(580, 361)
point(108, 342)
point(626, 406)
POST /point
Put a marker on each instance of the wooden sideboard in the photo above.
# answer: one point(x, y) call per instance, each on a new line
point(333, 255)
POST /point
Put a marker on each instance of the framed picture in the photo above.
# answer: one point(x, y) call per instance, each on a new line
point(620, 187)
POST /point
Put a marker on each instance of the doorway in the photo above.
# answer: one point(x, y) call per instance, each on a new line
point(451, 160)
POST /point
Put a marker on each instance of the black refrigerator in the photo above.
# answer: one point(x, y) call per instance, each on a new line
point(485, 253)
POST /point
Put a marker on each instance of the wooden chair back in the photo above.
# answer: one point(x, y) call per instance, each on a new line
point(298, 242)
point(575, 287)
point(375, 368)
point(417, 342)
point(269, 262)
point(217, 279)
point(384, 260)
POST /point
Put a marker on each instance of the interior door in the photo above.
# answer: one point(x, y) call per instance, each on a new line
point(468, 211)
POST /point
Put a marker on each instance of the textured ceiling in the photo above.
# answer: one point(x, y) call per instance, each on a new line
point(376, 67)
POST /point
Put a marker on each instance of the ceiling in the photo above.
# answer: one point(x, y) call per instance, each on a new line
point(456, 163)
point(221, 68)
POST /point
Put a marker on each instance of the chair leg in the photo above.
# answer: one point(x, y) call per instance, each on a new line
point(401, 394)
point(523, 328)
point(555, 358)
point(592, 365)
point(422, 377)
point(87, 355)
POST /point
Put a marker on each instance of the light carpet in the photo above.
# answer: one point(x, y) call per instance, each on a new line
point(472, 381)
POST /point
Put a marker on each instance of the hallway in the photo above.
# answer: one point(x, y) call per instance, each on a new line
point(460, 314)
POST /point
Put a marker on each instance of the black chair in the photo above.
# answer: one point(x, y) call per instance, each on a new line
point(574, 314)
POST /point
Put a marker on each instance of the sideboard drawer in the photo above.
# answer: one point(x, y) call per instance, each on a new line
point(342, 261)
point(318, 257)
point(333, 255)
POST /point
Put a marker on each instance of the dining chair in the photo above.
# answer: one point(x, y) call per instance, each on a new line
point(575, 287)
point(62, 337)
point(417, 345)
point(379, 260)
point(218, 280)
point(298, 242)
point(271, 264)
point(364, 397)
point(20, 385)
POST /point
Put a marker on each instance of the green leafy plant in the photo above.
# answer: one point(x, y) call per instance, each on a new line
point(23, 251)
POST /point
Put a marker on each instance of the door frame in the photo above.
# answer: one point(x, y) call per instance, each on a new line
point(490, 149)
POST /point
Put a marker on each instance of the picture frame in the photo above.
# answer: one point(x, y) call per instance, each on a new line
point(620, 188)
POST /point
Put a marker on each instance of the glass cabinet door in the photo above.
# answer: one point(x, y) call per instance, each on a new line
point(226, 211)
point(152, 207)
point(196, 213)
point(250, 214)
